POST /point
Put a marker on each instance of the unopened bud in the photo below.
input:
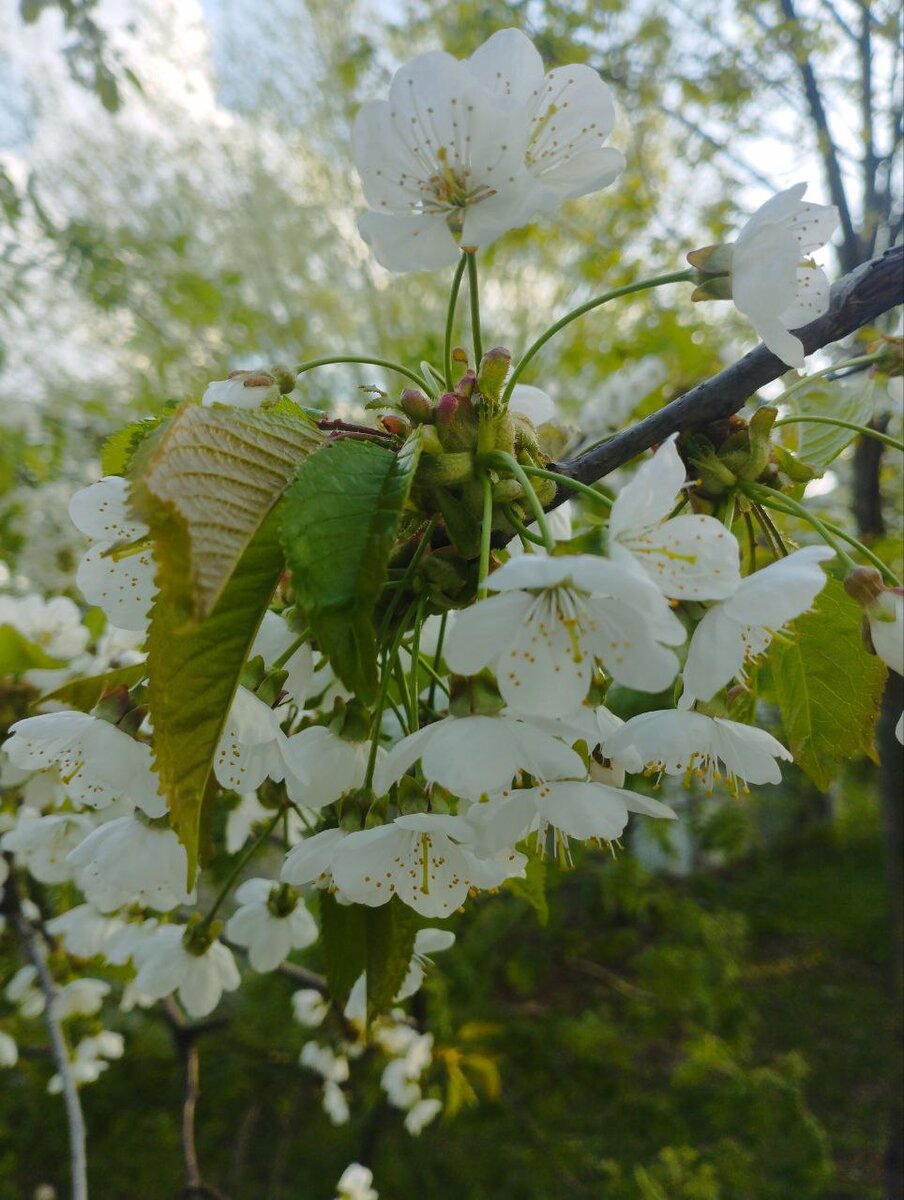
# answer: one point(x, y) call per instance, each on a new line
point(865, 585)
point(397, 426)
point(456, 422)
point(416, 405)
point(712, 260)
point(491, 374)
point(466, 384)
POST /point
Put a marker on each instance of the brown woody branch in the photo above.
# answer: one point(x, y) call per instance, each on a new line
point(857, 299)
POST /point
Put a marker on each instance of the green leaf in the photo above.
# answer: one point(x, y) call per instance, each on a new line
point(356, 938)
point(119, 449)
point(193, 673)
point(532, 887)
point(828, 687)
point(389, 939)
point(818, 444)
point(84, 693)
point(18, 654)
point(206, 484)
point(343, 937)
point(340, 520)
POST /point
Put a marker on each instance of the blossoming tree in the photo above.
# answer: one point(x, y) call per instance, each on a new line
point(397, 648)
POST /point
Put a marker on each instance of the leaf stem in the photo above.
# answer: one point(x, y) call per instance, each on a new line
point(243, 861)
point(388, 661)
point(522, 530)
point(856, 361)
point(474, 297)
point(765, 497)
point(585, 490)
point(864, 430)
point(486, 533)
point(437, 657)
point(399, 368)
point(509, 463)
point(588, 306)
point(450, 319)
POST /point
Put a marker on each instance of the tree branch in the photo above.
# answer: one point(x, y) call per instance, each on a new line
point(857, 299)
point(75, 1119)
point(850, 252)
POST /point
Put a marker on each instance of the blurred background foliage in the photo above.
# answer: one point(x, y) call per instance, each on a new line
point(177, 199)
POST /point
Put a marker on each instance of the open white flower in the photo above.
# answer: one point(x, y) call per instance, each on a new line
point(84, 931)
point(253, 747)
point(325, 765)
point(688, 557)
point(422, 859)
point(55, 625)
point(98, 762)
point(741, 627)
point(90, 1059)
point(886, 629)
point(311, 861)
point(553, 619)
point(271, 921)
point(309, 1007)
point(570, 112)
point(117, 572)
point(463, 151)
point(692, 745)
point(44, 843)
point(9, 1051)
point(165, 965)
point(126, 861)
point(479, 755)
point(79, 998)
point(773, 280)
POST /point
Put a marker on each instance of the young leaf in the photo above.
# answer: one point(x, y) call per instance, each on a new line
point(339, 524)
point(206, 484)
point(818, 444)
point(828, 686)
point(18, 654)
point(194, 671)
point(84, 693)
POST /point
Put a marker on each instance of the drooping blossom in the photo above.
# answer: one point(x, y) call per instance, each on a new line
point(270, 922)
point(741, 627)
point(165, 965)
point(695, 746)
point(242, 389)
point(127, 861)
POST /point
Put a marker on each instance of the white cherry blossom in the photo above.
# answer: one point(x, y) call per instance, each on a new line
point(98, 762)
point(309, 1007)
point(886, 629)
point(478, 755)
point(83, 930)
point(580, 809)
point(241, 389)
point(43, 843)
point(692, 745)
point(688, 557)
point(274, 638)
point(117, 572)
point(270, 922)
point(553, 619)
point(127, 861)
point(422, 859)
point(741, 627)
point(55, 625)
point(421, 1114)
point(253, 747)
point(90, 1059)
point(311, 861)
point(164, 966)
point(773, 281)
point(325, 765)
point(79, 998)
point(9, 1051)
point(355, 1183)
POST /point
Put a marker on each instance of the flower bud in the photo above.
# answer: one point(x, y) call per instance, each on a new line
point(416, 405)
point(491, 374)
point(865, 585)
point(456, 422)
point(397, 426)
